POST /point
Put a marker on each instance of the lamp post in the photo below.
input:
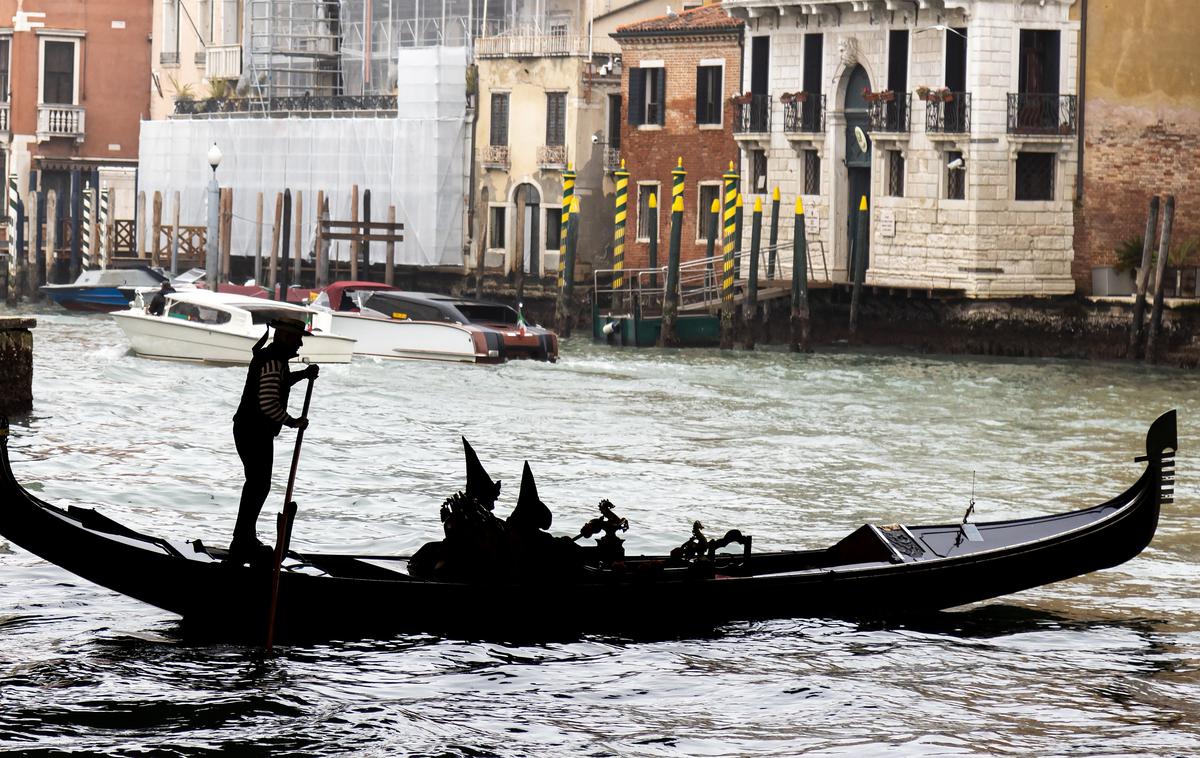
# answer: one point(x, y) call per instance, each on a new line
point(212, 243)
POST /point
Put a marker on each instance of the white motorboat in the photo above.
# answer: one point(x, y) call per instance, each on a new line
point(217, 327)
point(387, 323)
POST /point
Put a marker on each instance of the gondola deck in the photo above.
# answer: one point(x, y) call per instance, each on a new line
point(876, 571)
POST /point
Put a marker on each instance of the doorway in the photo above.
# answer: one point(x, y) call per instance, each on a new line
point(526, 237)
point(858, 163)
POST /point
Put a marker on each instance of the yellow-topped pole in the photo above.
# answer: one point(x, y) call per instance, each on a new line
point(799, 320)
point(621, 211)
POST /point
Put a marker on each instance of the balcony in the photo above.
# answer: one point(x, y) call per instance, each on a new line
point(223, 61)
point(751, 117)
point(891, 115)
point(553, 157)
point(517, 44)
point(494, 156)
point(948, 112)
point(4, 119)
point(60, 121)
point(1041, 114)
point(804, 113)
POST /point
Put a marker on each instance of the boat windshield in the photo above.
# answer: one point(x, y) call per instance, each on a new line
point(265, 314)
point(492, 313)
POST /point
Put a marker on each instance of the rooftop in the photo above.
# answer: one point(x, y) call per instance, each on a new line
point(706, 18)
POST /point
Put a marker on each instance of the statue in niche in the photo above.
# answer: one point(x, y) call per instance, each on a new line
point(848, 51)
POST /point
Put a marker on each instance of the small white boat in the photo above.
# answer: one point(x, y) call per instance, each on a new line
point(217, 327)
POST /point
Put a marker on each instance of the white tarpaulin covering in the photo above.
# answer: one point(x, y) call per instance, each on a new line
point(415, 161)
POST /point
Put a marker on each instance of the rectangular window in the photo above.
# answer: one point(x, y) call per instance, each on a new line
point(708, 94)
point(58, 73)
point(614, 121)
point(956, 176)
point(4, 47)
point(647, 96)
point(709, 192)
point(895, 174)
point(496, 234)
point(553, 228)
point(643, 217)
point(1035, 176)
point(499, 118)
point(556, 118)
point(812, 173)
point(758, 171)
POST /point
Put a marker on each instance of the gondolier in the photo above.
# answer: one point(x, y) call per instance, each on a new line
point(259, 418)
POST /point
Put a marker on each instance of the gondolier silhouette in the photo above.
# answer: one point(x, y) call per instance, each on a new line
point(259, 418)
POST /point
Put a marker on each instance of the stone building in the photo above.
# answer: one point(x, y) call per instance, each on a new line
point(957, 120)
point(1140, 121)
point(74, 85)
point(679, 72)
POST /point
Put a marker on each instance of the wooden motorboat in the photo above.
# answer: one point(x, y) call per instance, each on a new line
point(388, 323)
point(875, 571)
point(218, 327)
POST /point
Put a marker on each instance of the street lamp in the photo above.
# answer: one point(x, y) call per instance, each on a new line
point(212, 243)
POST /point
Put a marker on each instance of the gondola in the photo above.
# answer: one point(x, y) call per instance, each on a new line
point(877, 571)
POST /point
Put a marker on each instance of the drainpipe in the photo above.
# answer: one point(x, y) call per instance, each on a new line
point(1083, 10)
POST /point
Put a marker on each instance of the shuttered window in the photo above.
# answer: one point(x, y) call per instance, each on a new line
point(708, 94)
point(556, 118)
point(500, 118)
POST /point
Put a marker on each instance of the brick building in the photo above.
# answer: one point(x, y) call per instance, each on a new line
point(679, 72)
point(74, 86)
point(1141, 130)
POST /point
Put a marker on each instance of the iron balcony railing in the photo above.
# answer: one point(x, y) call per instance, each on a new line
point(806, 115)
point(285, 105)
point(753, 116)
point(1035, 113)
point(494, 156)
point(552, 156)
point(948, 113)
point(890, 115)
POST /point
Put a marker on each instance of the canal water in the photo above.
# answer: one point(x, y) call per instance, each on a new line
point(794, 449)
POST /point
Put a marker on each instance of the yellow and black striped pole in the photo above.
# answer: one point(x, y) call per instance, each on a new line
point(568, 192)
point(731, 198)
point(622, 179)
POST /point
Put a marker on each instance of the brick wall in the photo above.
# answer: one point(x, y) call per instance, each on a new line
point(651, 152)
point(1131, 154)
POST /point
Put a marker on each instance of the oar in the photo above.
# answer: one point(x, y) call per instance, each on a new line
point(283, 521)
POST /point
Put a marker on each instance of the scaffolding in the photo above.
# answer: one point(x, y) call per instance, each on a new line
point(292, 48)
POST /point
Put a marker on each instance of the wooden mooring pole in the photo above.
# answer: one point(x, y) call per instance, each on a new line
point(800, 316)
point(669, 334)
point(750, 308)
point(1160, 271)
point(858, 262)
point(1139, 302)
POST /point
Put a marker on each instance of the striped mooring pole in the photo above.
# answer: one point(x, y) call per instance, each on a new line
point(621, 211)
point(731, 199)
point(568, 192)
point(799, 321)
